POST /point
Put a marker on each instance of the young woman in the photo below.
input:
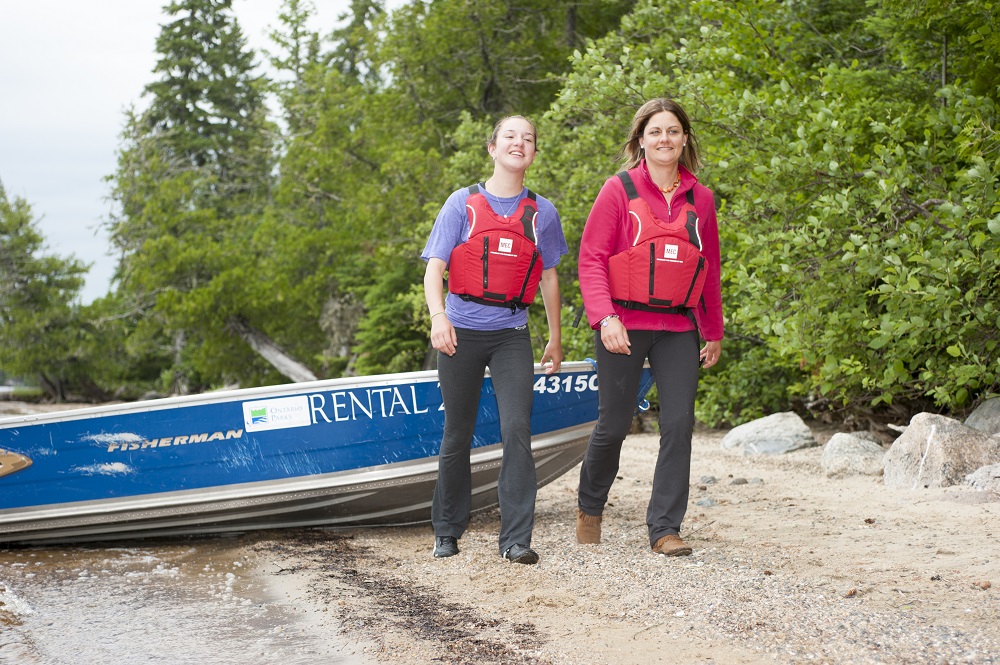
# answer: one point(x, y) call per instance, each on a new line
point(650, 277)
point(477, 327)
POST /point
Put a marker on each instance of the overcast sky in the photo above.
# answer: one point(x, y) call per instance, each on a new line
point(69, 70)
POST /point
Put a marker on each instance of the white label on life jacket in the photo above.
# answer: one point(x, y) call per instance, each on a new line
point(506, 245)
point(670, 251)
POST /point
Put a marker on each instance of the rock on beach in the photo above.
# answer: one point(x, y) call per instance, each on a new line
point(852, 453)
point(775, 434)
point(937, 451)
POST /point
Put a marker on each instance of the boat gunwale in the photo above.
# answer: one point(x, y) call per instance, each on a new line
point(240, 394)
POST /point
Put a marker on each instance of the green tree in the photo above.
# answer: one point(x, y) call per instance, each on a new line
point(297, 61)
point(852, 163)
point(951, 41)
point(857, 205)
point(324, 166)
point(194, 176)
point(207, 108)
point(366, 181)
point(40, 322)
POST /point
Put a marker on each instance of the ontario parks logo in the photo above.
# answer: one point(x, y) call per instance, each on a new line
point(276, 413)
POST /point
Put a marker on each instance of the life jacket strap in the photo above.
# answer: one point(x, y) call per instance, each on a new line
point(512, 305)
point(527, 217)
point(474, 189)
point(642, 307)
point(691, 219)
point(628, 184)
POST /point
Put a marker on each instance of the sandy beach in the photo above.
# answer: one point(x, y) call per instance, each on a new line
point(790, 567)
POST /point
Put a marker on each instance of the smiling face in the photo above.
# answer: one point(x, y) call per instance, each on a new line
point(663, 139)
point(513, 147)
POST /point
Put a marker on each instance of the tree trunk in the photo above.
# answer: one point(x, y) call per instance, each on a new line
point(571, 37)
point(54, 389)
point(91, 391)
point(271, 352)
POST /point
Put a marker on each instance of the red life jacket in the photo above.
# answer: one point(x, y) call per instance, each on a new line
point(664, 270)
point(499, 264)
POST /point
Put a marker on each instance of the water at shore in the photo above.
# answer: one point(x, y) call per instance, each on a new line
point(181, 601)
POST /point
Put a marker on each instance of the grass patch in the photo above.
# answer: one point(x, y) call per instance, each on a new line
point(23, 394)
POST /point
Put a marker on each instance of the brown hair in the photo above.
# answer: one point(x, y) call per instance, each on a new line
point(632, 154)
point(496, 129)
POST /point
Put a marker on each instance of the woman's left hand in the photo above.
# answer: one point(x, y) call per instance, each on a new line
point(710, 353)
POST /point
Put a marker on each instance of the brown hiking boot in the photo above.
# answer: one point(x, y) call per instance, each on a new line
point(671, 545)
point(588, 528)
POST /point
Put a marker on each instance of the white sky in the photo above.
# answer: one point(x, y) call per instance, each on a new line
point(69, 70)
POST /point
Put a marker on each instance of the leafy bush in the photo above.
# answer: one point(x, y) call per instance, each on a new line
point(858, 206)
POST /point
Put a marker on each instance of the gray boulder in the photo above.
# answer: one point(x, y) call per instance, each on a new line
point(985, 478)
point(936, 451)
point(986, 417)
point(855, 454)
point(775, 434)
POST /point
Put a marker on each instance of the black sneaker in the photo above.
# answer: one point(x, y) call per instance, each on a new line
point(521, 554)
point(445, 546)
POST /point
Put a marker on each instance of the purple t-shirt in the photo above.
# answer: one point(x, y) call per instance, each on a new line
point(451, 228)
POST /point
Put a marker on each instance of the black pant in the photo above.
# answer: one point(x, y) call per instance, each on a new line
point(508, 355)
point(673, 358)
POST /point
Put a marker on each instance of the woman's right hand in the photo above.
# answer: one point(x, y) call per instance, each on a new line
point(615, 337)
point(443, 337)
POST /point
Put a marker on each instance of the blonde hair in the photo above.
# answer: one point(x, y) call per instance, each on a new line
point(631, 153)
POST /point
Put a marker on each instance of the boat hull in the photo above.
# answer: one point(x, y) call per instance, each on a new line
point(343, 452)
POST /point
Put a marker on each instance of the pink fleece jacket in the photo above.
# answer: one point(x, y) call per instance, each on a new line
point(607, 233)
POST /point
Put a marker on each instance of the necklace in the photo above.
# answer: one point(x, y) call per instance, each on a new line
point(505, 210)
point(667, 190)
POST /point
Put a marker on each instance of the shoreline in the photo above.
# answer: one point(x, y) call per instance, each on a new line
point(799, 567)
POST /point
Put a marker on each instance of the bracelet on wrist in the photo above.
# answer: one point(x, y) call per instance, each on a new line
point(436, 313)
point(607, 319)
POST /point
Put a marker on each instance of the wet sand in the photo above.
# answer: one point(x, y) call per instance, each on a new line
point(179, 601)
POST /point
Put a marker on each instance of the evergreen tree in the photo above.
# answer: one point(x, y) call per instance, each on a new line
point(298, 63)
point(193, 178)
point(207, 108)
point(40, 322)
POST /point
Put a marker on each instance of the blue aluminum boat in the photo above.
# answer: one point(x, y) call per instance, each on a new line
point(340, 452)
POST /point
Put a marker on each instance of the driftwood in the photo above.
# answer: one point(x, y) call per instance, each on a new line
point(271, 352)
